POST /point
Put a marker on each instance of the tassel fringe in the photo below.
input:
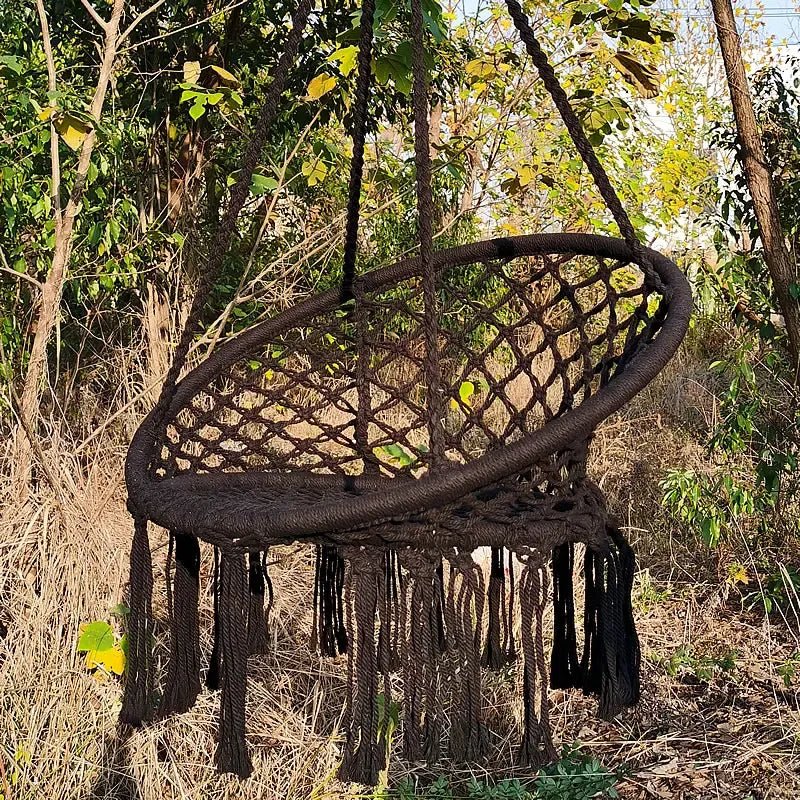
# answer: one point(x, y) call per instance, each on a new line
point(183, 675)
point(137, 698)
point(565, 668)
point(409, 610)
point(260, 588)
point(364, 755)
point(329, 634)
point(231, 755)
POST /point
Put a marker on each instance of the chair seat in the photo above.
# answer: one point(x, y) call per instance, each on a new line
point(247, 507)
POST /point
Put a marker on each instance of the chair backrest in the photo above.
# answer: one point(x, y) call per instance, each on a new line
point(520, 341)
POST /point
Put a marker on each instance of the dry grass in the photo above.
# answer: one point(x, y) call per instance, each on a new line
point(734, 735)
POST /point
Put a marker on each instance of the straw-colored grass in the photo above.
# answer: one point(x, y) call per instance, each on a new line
point(733, 736)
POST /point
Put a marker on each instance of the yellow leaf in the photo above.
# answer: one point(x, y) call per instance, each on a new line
point(191, 71)
point(642, 77)
point(72, 130)
point(320, 86)
point(111, 659)
point(225, 75)
point(479, 68)
point(526, 174)
point(46, 113)
point(315, 171)
point(114, 660)
point(737, 574)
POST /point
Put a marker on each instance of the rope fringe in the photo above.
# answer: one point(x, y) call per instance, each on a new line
point(137, 698)
point(215, 660)
point(565, 668)
point(537, 744)
point(231, 755)
point(329, 633)
point(364, 755)
point(420, 608)
point(183, 674)
point(260, 586)
point(464, 615)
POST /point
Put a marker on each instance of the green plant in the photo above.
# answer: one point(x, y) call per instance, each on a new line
point(789, 669)
point(778, 591)
point(575, 776)
point(103, 648)
point(646, 596)
point(684, 661)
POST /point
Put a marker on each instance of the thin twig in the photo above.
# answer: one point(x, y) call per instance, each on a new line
point(55, 161)
point(92, 11)
point(140, 18)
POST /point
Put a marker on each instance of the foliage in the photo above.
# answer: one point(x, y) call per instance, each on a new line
point(103, 648)
point(646, 596)
point(789, 669)
point(702, 667)
point(778, 590)
point(575, 776)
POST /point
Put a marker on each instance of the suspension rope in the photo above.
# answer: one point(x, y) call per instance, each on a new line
point(425, 213)
point(239, 194)
point(363, 82)
point(580, 140)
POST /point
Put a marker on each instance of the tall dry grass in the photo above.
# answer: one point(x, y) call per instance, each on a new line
point(63, 562)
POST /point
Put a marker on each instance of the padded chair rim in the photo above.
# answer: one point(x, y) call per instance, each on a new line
point(168, 502)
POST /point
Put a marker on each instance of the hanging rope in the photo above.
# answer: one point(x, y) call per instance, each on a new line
point(359, 135)
point(581, 142)
point(221, 240)
point(425, 215)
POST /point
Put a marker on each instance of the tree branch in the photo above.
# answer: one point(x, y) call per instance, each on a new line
point(92, 11)
point(23, 276)
point(138, 19)
point(55, 161)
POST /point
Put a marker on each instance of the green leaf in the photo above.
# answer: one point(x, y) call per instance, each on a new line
point(10, 65)
point(314, 171)
point(262, 184)
point(95, 636)
point(189, 94)
point(346, 58)
point(197, 110)
point(794, 291)
point(120, 611)
point(102, 650)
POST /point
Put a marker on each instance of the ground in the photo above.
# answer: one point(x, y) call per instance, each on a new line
point(719, 718)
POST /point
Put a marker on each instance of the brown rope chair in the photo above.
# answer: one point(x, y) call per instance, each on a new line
point(425, 410)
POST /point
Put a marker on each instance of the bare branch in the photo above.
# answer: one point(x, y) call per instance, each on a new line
point(94, 15)
point(139, 18)
point(55, 161)
point(183, 28)
point(23, 276)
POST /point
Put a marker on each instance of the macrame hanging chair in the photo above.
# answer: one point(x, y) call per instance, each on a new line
point(343, 423)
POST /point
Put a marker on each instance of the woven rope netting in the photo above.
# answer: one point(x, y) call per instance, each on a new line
point(422, 411)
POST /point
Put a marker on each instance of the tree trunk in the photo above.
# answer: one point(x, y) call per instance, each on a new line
point(757, 175)
point(50, 301)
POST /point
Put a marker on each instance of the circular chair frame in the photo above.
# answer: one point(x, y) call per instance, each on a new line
point(226, 506)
